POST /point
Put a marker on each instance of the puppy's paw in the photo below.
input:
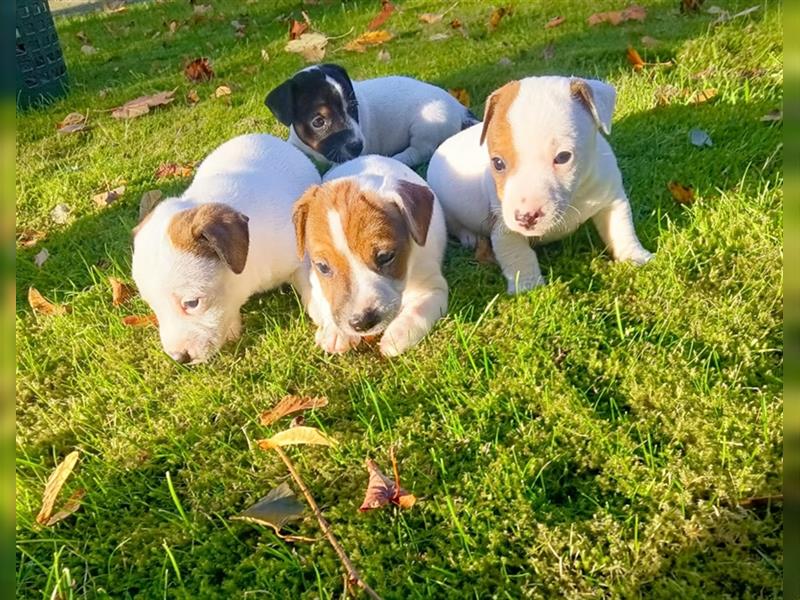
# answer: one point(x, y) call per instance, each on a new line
point(400, 335)
point(335, 341)
point(467, 239)
point(234, 330)
point(638, 256)
point(520, 285)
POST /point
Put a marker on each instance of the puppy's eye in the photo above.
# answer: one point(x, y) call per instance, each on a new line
point(190, 303)
point(384, 257)
point(499, 164)
point(323, 268)
point(318, 122)
point(562, 158)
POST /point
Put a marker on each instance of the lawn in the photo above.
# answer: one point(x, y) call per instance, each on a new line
point(602, 436)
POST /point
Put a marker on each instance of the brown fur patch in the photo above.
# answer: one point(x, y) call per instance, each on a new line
point(214, 231)
point(370, 225)
point(497, 131)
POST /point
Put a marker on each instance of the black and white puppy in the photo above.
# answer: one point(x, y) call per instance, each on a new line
point(333, 119)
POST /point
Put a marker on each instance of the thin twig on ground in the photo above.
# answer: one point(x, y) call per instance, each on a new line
point(352, 573)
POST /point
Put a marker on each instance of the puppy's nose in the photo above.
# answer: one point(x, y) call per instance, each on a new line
point(181, 357)
point(365, 321)
point(528, 219)
point(354, 148)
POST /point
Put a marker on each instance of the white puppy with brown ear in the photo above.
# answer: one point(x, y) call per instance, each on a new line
point(374, 234)
point(544, 169)
point(199, 257)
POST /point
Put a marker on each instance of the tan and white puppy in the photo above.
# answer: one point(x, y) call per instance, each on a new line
point(199, 257)
point(374, 235)
point(534, 171)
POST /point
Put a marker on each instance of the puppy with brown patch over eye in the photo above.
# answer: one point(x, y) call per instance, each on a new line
point(199, 257)
point(373, 235)
point(534, 171)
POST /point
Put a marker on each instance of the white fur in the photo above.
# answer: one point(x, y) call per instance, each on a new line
point(545, 120)
point(399, 117)
point(261, 177)
point(415, 303)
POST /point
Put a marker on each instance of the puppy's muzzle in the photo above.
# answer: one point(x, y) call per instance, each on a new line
point(181, 357)
point(529, 219)
point(365, 321)
point(354, 148)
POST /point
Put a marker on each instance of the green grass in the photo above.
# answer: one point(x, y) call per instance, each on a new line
point(588, 439)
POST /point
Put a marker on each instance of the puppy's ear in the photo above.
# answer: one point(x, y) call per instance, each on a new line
point(491, 105)
point(416, 205)
point(300, 217)
point(213, 229)
point(598, 98)
point(337, 70)
point(281, 102)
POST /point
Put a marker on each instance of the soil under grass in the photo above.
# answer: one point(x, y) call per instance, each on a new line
point(593, 438)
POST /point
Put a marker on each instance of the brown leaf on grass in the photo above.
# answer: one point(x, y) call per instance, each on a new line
point(760, 501)
point(72, 123)
point(683, 194)
point(311, 46)
point(173, 26)
point(276, 509)
point(383, 55)
point(83, 38)
point(198, 70)
point(140, 321)
point(381, 490)
point(369, 38)
point(120, 292)
point(461, 95)
point(497, 16)
point(54, 484)
point(142, 105)
point(297, 435)
point(88, 49)
point(387, 8)
point(484, 253)
point(615, 17)
point(42, 306)
point(192, 97)
point(148, 202)
point(171, 169)
point(72, 504)
point(60, 213)
point(28, 238)
point(554, 22)
point(634, 58)
point(703, 96)
point(431, 18)
point(297, 28)
point(222, 91)
point(108, 197)
point(203, 10)
point(291, 404)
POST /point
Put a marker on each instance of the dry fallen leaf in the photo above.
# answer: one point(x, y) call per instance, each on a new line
point(773, 116)
point(554, 22)
point(72, 504)
point(633, 13)
point(28, 238)
point(60, 213)
point(383, 55)
point(683, 194)
point(88, 49)
point(120, 292)
point(83, 38)
point(370, 38)
point(192, 97)
point(72, 123)
point(142, 105)
point(148, 202)
point(108, 197)
point(461, 95)
point(381, 490)
point(297, 28)
point(42, 306)
point(140, 321)
point(276, 509)
point(387, 8)
point(311, 46)
point(173, 26)
point(497, 17)
point(203, 10)
point(171, 169)
point(297, 435)
point(635, 59)
point(438, 37)
point(54, 484)
point(41, 257)
point(221, 91)
point(703, 96)
point(484, 253)
point(431, 18)
point(291, 404)
point(264, 55)
point(198, 70)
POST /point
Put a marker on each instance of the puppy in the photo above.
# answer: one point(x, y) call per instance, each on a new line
point(199, 257)
point(375, 235)
point(333, 119)
point(535, 170)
